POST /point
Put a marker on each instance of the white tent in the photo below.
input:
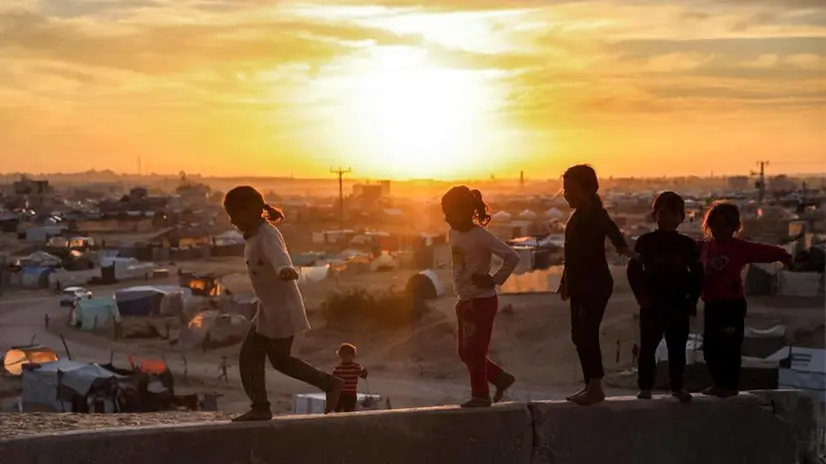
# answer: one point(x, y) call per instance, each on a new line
point(554, 213)
point(527, 215)
point(40, 385)
point(806, 369)
point(501, 216)
point(425, 285)
point(40, 259)
point(384, 261)
point(230, 237)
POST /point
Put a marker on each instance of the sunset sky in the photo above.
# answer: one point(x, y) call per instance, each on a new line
point(405, 88)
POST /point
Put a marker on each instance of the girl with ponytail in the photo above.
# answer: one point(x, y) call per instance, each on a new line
point(471, 247)
point(586, 279)
point(281, 314)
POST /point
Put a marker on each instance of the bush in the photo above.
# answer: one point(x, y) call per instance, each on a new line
point(354, 308)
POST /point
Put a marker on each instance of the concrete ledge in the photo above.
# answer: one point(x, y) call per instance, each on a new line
point(763, 427)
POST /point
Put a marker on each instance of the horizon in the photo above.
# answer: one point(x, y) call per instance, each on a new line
point(402, 89)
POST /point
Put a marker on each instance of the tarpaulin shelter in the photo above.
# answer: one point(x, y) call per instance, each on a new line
point(145, 300)
point(95, 313)
point(312, 274)
point(18, 356)
point(425, 285)
point(209, 329)
point(802, 368)
point(501, 216)
point(54, 386)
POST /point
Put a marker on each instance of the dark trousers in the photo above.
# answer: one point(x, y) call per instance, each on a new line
point(671, 321)
point(347, 402)
point(256, 349)
point(586, 318)
point(723, 339)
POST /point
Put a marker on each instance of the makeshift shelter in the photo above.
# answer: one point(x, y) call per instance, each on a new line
point(209, 329)
point(384, 262)
point(501, 216)
point(146, 300)
point(57, 386)
point(313, 274)
point(229, 238)
point(425, 285)
point(762, 343)
point(18, 356)
point(802, 368)
point(95, 313)
point(40, 259)
point(527, 215)
point(554, 214)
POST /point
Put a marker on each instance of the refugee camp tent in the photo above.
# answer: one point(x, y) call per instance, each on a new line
point(18, 356)
point(52, 386)
point(384, 262)
point(145, 300)
point(95, 313)
point(762, 343)
point(313, 274)
point(425, 285)
point(527, 215)
point(209, 329)
point(40, 259)
point(802, 368)
point(229, 238)
point(501, 216)
point(554, 214)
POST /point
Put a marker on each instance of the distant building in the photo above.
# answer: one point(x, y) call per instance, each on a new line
point(34, 193)
point(737, 183)
point(372, 191)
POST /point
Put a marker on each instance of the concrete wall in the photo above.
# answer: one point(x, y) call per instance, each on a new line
point(764, 427)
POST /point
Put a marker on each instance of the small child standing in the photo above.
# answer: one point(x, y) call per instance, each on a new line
point(666, 280)
point(471, 247)
point(350, 371)
point(724, 257)
point(280, 315)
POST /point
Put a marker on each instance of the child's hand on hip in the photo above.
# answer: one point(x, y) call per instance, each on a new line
point(483, 280)
point(288, 274)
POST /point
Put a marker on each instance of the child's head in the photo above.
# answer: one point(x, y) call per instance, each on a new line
point(581, 186)
point(246, 207)
point(669, 210)
point(346, 352)
point(462, 206)
point(722, 221)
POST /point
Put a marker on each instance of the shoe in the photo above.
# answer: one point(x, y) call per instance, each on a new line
point(644, 395)
point(476, 403)
point(254, 415)
point(682, 395)
point(571, 397)
point(589, 397)
point(502, 383)
point(333, 395)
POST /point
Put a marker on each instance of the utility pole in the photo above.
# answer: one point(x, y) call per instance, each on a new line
point(761, 181)
point(522, 179)
point(340, 173)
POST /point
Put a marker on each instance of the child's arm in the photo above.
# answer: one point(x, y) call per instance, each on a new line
point(275, 250)
point(696, 272)
point(610, 229)
point(764, 253)
point(501, 249)
point(362, 372)
point(636, 274)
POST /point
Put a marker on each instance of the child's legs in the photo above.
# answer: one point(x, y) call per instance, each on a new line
point(590, 309)
point(651, 332)
point(577, 331)
point(477, 320)
point(252, 369)
point(712, 339)
point(278, 350)
point(347, 402)
point(676, 336)
point(732, 342)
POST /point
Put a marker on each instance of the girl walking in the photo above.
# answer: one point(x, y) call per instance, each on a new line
point(586, 279)
point(471, 247)
point(280, 315)
point(724, 257)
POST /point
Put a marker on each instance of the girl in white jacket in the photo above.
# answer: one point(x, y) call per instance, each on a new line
point(281, 314)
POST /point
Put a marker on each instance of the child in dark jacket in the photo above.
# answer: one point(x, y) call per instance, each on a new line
point(724, 257)
point(667, 280)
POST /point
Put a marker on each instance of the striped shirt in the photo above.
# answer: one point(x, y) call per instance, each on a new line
point(350, 373)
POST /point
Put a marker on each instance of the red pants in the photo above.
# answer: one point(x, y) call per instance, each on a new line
point(475, 327)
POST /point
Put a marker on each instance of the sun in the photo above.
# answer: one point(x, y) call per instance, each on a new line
point(415, 119)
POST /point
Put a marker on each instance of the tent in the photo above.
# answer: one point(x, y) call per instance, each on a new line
point(501, 216)
point(802, 368)
point(313, 274)
point(425, 285)
point(554, 213)
point(527, 215)
point(228, 238)
point(94, 313)
point(146, 300)
point(384, 262)
point(51, 386)
point(209, 329)
point(16, 357)
point(40, 259)
point(762, 343)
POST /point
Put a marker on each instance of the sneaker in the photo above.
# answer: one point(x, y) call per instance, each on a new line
point(254, 415)
point(682, 395)
point(477, 403)
point(571, 397)
point(502, 383)
point(589, 397)
point(333, 395)
point(644, 395)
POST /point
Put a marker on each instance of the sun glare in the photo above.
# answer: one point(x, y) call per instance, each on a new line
point(414, 119)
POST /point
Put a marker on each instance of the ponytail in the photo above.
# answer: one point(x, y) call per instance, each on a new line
point(480, 208)
point(273, 214)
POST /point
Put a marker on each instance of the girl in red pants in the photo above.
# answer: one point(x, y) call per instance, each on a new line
point(471, 247)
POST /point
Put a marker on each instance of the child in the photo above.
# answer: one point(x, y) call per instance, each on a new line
point(724, 257)
point(471, 247)
point(349, 371)
point(280, 315)
point(667, 281)
point(586, 278)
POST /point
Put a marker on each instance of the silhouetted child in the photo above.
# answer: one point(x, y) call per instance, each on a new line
point(472, 247)
point(350, 371)
point(667, 280)
point(724, 257)
point(586, 279)
point(280, 315)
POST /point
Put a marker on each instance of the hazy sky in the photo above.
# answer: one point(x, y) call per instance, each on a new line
point(406, 88)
